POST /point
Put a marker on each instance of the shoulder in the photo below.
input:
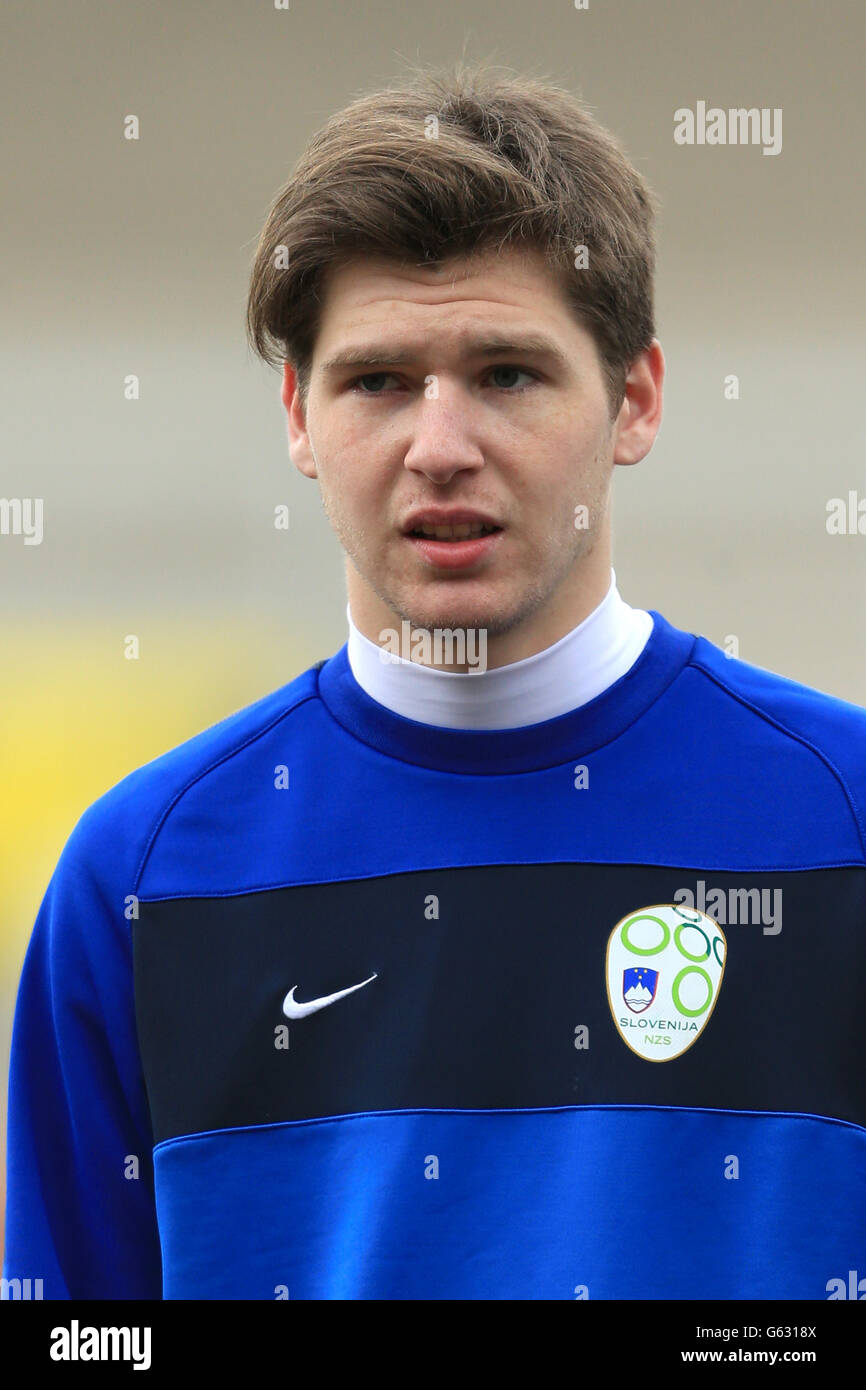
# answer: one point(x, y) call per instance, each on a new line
point(832, 730)
point(126, 818)
point(803, 711)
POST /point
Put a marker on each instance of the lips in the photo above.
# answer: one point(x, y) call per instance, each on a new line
point(461, 532)
point(450, 524)
point(458, 553)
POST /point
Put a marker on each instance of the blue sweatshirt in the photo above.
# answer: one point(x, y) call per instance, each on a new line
point(326, 1003)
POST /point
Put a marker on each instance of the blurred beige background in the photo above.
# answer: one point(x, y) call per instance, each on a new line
point(132, 257)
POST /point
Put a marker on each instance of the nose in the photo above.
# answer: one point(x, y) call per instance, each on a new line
point(442, 436)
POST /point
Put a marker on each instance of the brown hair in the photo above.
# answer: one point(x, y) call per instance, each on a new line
point(515, 160)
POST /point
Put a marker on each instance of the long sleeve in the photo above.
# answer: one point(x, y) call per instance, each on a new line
point(80, 1210)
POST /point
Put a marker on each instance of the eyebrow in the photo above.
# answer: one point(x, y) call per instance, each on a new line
point(385, 355)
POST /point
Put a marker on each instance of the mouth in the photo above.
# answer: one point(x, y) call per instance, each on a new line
point(461, 532)
point(453, 545)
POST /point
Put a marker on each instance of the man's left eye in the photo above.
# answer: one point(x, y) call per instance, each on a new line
point(521, 371)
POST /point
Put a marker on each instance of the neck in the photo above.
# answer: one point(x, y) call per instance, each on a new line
point(569, 672)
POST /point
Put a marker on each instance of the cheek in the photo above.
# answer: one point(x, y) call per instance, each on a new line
point(549, 499)
point(358, 501)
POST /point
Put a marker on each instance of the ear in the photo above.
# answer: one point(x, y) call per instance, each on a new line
point(640, 414)
point(300, 451)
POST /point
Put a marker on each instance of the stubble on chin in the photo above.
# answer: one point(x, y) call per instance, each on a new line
point(492, 616)
point(404, 596)
point(496, 615)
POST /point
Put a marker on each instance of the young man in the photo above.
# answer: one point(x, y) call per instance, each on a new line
point(524, 965)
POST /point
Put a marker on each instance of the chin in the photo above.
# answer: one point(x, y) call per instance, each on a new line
point(490, 617)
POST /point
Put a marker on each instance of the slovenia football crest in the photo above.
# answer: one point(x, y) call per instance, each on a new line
point(664, 971)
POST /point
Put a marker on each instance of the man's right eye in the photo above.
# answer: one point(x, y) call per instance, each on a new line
point(369, 376)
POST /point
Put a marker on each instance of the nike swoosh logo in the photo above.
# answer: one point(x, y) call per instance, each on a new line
point(292, 1009)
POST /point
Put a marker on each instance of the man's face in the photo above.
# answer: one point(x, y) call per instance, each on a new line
point(441, 423)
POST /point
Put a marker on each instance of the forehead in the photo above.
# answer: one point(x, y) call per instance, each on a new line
point(511, 289)
point(485, 269)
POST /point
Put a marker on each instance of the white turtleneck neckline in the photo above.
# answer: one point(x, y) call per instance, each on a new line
point(560, 678)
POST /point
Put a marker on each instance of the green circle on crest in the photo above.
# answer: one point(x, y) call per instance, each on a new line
point(644, 950)
point(675, 991)
point(681, 948)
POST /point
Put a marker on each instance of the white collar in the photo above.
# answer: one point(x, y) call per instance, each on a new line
point(560, 678)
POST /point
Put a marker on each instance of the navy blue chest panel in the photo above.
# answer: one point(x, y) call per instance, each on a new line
point(490, 991)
